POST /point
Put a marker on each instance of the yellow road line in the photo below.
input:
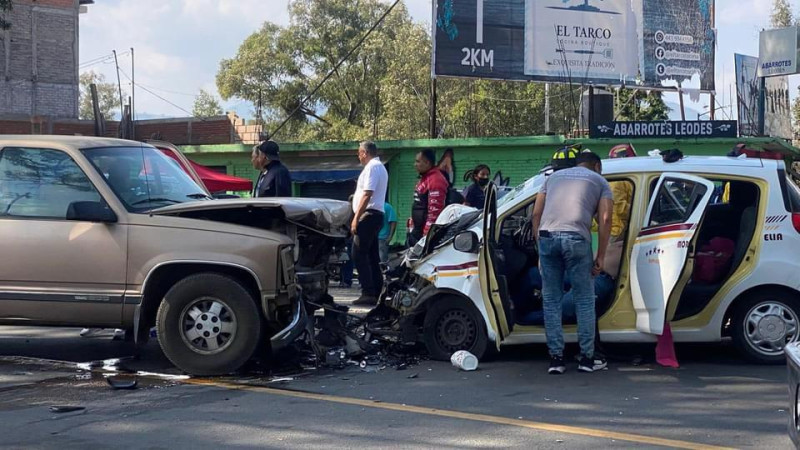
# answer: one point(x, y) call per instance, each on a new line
point(541, 426)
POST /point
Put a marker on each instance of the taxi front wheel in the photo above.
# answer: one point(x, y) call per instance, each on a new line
point(763, 323)
point(453, 324)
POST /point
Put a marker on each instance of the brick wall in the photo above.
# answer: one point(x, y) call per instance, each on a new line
point(189, 131)
point(41, 48)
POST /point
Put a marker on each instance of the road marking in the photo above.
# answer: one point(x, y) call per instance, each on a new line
point(541, 426)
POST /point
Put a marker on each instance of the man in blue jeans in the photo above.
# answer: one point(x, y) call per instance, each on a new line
point(562, 220)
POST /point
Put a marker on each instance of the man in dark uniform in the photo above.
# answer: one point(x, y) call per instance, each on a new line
point(274, 180)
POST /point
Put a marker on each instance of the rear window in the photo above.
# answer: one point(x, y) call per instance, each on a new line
point(791, 194)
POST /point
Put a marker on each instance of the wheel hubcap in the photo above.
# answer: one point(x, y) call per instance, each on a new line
point(769, 326)
point(208, 325)
point(456, 331)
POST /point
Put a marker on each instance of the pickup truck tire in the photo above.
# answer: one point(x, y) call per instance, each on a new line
point(452, 324)
point(208, 324)
point(763, 323)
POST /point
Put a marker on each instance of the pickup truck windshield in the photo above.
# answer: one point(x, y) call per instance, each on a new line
point(143, 178)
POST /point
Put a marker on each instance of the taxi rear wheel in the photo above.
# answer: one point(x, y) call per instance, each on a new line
point(453, 324)
point(763, 324)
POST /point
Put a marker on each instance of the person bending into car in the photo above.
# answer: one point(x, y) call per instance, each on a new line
point(562, 220)
point(430, 195)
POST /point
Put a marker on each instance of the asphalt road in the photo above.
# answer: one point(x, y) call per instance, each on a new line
point(713, 399)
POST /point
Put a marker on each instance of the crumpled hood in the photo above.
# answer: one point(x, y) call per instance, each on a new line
point(326, 216)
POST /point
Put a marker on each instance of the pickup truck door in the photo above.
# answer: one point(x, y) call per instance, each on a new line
point(56, 271)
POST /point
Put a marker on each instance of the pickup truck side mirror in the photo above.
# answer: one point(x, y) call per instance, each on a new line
point(90, 212)
point(467, 242)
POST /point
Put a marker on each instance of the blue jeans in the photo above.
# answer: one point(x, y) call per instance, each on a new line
point(561, 255)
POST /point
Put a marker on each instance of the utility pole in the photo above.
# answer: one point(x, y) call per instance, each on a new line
point(133, 86)
point(546, 108)
point(119, 83)
point(432, 132)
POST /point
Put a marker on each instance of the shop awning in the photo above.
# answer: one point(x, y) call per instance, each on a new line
point(218, 182)
point(323, 169)
point(214, 181)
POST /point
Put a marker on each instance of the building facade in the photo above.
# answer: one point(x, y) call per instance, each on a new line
point(329, 169)
point(39, 59)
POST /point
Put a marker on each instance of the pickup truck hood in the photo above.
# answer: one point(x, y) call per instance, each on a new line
point(331, 217)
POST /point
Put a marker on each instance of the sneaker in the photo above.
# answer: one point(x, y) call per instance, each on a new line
point(366, 300)
point(91, 332)
point(557, 366)
point(589, 365)
point(119, 335)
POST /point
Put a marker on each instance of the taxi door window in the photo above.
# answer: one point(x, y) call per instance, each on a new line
point(675, 201)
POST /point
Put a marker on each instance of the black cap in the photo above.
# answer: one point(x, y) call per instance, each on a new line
point(271, 149)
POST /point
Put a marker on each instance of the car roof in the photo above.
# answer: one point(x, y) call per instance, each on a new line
point(752, 167)
point(721, 164)
point(75, 142)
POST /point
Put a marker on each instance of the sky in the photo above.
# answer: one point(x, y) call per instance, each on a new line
point(178, 45)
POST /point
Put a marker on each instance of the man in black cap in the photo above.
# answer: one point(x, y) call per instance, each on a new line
point(274, 180)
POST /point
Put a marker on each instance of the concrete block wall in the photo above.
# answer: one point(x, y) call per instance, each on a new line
point(39, 59)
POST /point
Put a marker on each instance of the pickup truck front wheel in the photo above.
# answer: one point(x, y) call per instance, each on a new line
point(208, 324)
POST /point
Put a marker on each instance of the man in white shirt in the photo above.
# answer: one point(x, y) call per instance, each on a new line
point(368, 203)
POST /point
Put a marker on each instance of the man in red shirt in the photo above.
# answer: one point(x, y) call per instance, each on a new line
point(430, 195)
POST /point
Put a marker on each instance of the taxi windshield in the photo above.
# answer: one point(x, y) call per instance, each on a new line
point(143, 178)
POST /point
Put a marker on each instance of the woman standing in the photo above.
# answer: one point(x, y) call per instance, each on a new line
point(474, 194)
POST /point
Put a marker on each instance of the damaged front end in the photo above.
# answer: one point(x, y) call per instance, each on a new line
point(414, 278)
point(318, 229)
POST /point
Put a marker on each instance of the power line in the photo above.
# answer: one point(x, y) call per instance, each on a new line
point(154, 94)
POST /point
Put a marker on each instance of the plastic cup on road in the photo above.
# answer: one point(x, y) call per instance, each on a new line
point(464, 360)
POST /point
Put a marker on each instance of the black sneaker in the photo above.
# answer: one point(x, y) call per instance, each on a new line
point(557, 366)
point(589, 365)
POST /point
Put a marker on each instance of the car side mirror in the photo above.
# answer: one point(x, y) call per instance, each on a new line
point(91, 212)
point(467, 242)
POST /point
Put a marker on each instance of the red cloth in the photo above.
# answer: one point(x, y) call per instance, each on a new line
point(713, 260)
point(213, 180)
point(433, 186)
point(665, 349)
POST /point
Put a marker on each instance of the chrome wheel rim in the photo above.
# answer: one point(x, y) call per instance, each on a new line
point(769, 326)
point(208, 325)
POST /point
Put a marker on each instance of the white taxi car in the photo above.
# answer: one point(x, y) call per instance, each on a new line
point(708, 245)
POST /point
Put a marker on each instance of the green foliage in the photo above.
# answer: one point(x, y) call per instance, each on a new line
point(5, 6)
point(635, 104)
point(781, 15)
point(107, 96)
point(383, 90)
point(206, 105)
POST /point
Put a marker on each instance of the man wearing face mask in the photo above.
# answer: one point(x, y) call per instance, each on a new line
point(474, 194)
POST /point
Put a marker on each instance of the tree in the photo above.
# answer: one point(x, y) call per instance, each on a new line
point(5, 6)
point(107, 95)
point(383, 90)
point(781, 16)
point(796, 112)
point(635, 104)
point(206, 105)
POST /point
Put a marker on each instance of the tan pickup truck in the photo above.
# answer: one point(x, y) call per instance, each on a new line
point(110, 233)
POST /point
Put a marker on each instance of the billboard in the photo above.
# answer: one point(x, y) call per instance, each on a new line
point(649, 43)
point(777, 52)
point(777, 109)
